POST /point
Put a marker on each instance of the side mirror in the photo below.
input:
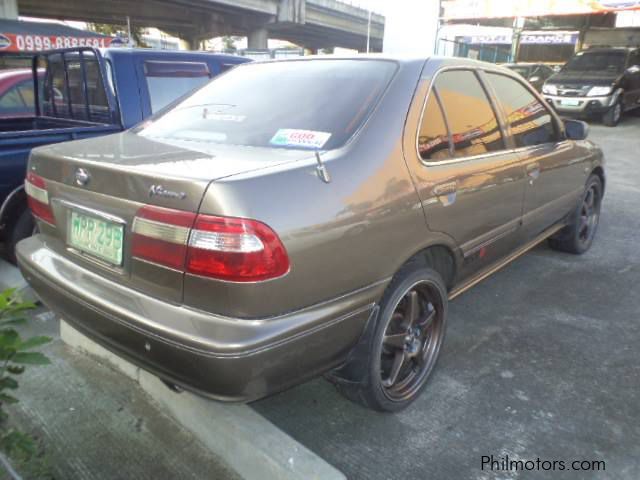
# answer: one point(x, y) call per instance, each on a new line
point(534, 79)
point(576, 129)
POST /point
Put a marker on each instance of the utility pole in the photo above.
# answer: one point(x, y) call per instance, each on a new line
point(369, 32)
point(518, 25)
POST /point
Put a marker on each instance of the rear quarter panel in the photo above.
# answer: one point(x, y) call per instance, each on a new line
point(341, 236)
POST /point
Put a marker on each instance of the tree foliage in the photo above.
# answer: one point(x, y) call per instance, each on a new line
point(15, 355)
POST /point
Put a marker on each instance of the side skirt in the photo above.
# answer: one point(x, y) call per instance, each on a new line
point(493, 268)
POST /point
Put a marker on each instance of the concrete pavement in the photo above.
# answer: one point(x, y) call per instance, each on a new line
point(540, 361)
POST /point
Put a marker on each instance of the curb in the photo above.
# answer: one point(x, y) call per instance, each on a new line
point(250, 444)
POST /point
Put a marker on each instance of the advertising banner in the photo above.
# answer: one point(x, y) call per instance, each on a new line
point(26, 42)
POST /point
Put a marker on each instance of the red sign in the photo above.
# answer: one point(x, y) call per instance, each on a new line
point(18, 42)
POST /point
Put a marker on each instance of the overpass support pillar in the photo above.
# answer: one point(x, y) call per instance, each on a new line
point(9, 9)
point(258, 39)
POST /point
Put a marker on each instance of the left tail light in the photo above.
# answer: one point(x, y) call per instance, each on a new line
point(38, 198)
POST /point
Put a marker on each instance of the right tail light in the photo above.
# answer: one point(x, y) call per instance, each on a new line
point(225, 248)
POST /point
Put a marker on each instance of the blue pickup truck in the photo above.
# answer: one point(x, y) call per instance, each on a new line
point(85, 92)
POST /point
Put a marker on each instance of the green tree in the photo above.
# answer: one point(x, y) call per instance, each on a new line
point(114, 29)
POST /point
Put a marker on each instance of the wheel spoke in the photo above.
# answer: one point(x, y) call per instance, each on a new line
point(398, 361)
point(395, 341)
point(412, 311)
point(428, 320)
point(589, 199)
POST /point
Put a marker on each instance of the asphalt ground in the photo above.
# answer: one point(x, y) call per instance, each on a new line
point(541, 361)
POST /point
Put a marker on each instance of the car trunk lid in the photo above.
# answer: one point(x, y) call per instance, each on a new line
point(109, 180)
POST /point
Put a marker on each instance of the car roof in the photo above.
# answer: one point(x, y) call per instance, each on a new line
point(117, 51)
point(15, 73)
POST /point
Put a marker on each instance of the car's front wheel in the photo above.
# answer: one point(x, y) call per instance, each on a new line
point(613, 115)
point(406, 341)
point(578, 236)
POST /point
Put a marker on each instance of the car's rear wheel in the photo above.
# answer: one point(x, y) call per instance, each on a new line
point(613, 115)
point(578, 236)
point(406, 341)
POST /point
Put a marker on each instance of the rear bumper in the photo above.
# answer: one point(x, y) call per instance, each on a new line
point(582, 106)
point(237, 360)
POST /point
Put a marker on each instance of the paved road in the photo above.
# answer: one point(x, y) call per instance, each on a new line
point(541, 361)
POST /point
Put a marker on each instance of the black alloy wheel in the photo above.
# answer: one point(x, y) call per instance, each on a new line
point(411, 342)
point(578, 236)
point(402, 348)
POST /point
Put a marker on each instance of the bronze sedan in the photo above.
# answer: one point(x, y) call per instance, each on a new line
point(306, 217)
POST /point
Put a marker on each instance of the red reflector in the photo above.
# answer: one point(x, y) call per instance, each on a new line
point(235, 249)
point(38, 198)
point(160, 235)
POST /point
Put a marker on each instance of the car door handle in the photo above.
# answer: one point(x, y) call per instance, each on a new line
point(445, 189)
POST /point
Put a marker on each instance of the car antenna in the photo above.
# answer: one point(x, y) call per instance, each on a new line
point(321, 169)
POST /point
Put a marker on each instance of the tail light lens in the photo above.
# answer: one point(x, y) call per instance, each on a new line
point(38, 198)
point(160, 235)
point(232, 249)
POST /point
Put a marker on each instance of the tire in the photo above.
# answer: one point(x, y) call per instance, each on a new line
point(24, 227)
point(613, 115)
point(413, 341)
point(578, 236)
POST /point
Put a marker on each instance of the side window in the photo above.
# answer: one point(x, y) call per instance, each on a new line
point(472, 122)
point(11, 101)
point(635, 59)
point(26, 92)
point(168, 81)
point(530, 121)
point(433, 137)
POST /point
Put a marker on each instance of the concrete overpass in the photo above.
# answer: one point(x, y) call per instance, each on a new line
point(313, 24)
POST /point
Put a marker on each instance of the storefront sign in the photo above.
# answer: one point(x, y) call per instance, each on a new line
point(467, 9)
point(551, 38)
point(17, 42)
point(526, 38)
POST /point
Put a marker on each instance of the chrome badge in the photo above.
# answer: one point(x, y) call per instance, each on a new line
point(160, 191)
point(82, 177)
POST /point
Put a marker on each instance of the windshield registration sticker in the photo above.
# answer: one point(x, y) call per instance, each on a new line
point(289, 137)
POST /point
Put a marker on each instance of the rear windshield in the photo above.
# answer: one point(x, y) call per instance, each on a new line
point(597, 62)
point(292, 104)
point(167, 81)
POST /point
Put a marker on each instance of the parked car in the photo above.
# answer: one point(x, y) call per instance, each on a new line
point(16, 92)
point(599, 82)
point(241, 243)
point(535, 73)
point(82, 93)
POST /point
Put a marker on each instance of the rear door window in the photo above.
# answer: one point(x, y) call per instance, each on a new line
point(433, 138)
point(294, 104)
point(529, 120)
point(472, 121)
point(168, 81)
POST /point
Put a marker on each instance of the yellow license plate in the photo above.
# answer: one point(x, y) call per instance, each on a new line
point(96, 237)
